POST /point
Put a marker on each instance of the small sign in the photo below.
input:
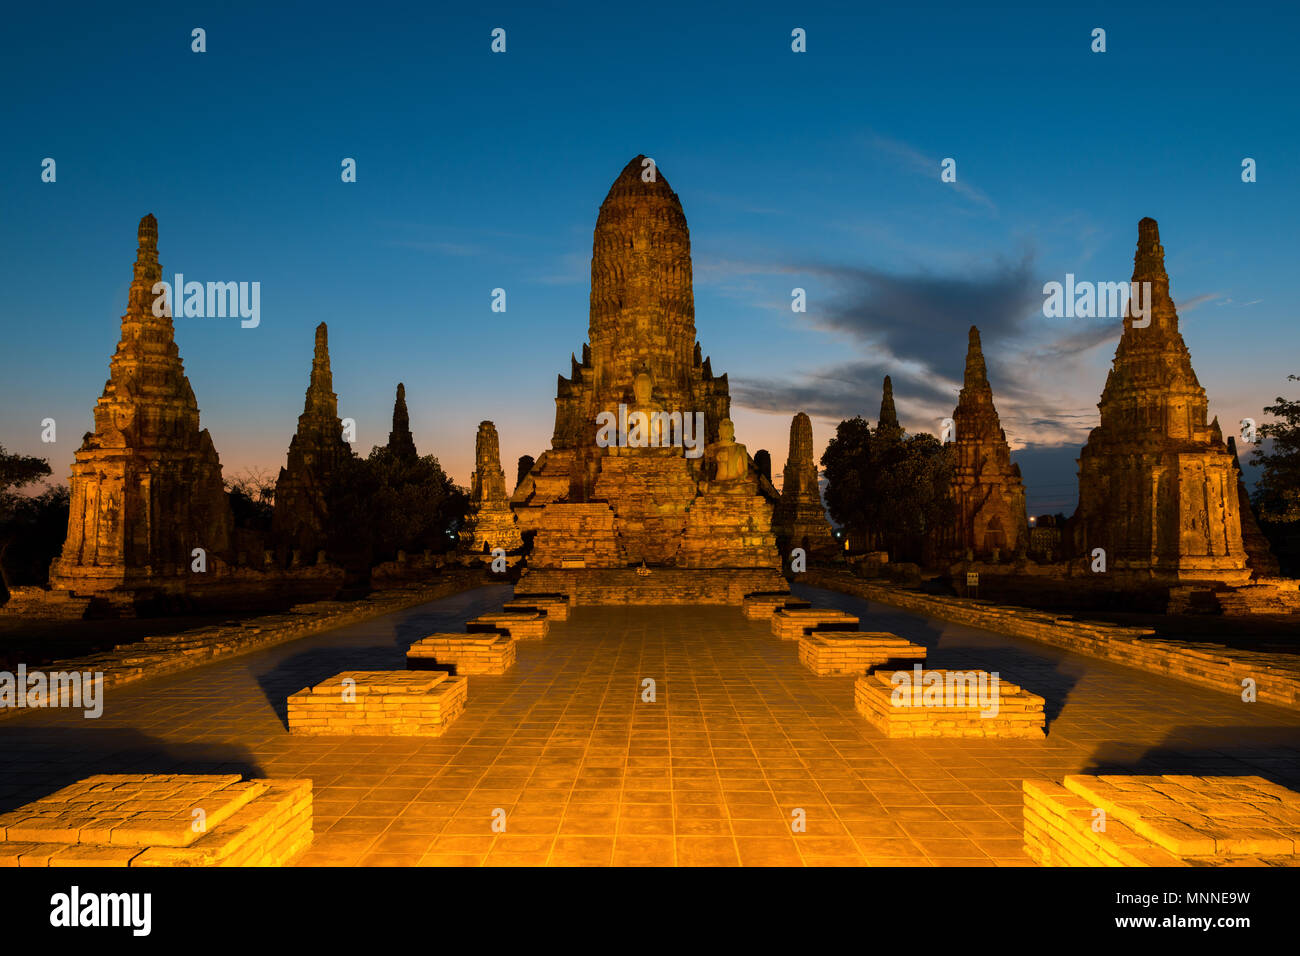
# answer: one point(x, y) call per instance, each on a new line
point(972, 579)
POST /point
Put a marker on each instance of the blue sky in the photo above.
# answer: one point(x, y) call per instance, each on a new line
point(479, 170)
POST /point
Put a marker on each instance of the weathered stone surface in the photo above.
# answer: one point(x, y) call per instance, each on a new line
point(1164, 820)
point(162, 820)
point(400, 441)
point(826, 653)
point(760, 606)
point(1259, 556)
point(791, 622)
point(1275, 676)
point(482, 653)
point(987, 489)
point(491, 524)
point(619, 505)
point(799, 520)
point(379, 703)
point(146, 483)
point(523, 624)
point(1157, 491)
point(302, 490)
point(951, 708)
point(554, 606)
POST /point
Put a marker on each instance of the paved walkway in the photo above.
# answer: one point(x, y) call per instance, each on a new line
point(739, 738)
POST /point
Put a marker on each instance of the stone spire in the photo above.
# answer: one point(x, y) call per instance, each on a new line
point(642, 301)
point(146, 483)
point(300, 519)
point(400, 442)
point(491, 523)
point(888, 426)
point(593, 504)
point(799, 520)
point(988, 492)
point(1157, 490)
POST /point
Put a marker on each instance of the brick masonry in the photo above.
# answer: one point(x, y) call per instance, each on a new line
point(790, 624)
point(170, 654)
point(153, 820)
point(522, 625)
point(380, 703)
point(761, 606)
point(492, 653)
point(1018, 714)
point(1161, 821)
point(1276, 676)
point(855, 652)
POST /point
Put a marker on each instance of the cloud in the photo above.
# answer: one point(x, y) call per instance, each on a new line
point(924, 165)
point(913, 327)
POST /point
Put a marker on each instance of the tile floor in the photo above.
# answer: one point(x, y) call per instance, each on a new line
point(738, 741)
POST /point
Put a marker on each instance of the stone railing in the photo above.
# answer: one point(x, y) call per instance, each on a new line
point(1275, 677)
point(169, 654)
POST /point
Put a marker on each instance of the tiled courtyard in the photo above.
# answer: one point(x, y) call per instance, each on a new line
point(739, 738)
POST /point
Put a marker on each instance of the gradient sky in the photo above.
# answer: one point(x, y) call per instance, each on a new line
point(479, 170)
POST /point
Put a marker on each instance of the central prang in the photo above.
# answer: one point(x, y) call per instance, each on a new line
point(624, 483)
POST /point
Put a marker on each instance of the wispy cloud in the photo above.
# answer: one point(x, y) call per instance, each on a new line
point(920, 163)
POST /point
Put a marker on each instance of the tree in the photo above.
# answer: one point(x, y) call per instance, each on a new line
point(19, 514)
point(888, 488)
point(1277, 493)
point(252, 499)
point(848, 469)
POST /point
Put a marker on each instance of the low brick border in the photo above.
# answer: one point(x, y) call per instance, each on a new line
point(162, 655)
point(1276, 676)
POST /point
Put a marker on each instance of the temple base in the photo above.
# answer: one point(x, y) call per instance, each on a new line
point(597, 586)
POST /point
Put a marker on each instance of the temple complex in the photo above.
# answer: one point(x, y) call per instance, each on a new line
point(302, 490)
point(987, 489)
point(1157, 489)
point(401, 444)
point(799, 520)
point(671, 489)
point(146, 483)
point(491, 524)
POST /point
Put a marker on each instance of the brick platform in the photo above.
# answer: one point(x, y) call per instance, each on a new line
point(1019, 713)
point(522, 625)
point(761, 606)
point(602, 586)
point(555, 606)
point(386, 703)
point(1162, 821)
point(149, 820)
point(791, 623)
point(855, 652)
point(491, 653)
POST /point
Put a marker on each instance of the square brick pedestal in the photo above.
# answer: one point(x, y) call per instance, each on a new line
point(791, 623)
point(761, 606)
point(555, 606)
point(522, 625)
point(855, 652)
point(398, 703)
point(954, 709)
point(161, 820)
point(1161, 821)
point(492, 653)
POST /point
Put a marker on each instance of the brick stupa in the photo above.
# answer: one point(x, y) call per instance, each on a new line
point(146, 483)
point(616, 506)
point(800, 519)
point(491, 524)
point(401, 444)
point(987, 489)
point(1157, 488)
point(317, 448)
